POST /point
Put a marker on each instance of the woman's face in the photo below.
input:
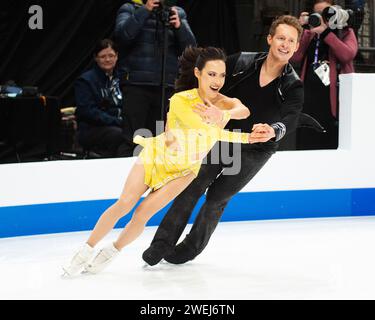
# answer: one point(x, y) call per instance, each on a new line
point(106, 60)
point(211, 78)
point(319, 7)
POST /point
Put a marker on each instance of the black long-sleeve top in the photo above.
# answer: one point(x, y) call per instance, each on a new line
point(278, 104)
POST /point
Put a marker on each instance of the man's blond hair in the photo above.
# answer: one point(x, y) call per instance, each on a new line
point(288, 20)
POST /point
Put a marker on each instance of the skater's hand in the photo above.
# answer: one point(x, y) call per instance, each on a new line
point(209, 112)
point(174, 19)
point(261, 132)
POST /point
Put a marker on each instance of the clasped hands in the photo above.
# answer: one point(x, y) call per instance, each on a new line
point(261, 132)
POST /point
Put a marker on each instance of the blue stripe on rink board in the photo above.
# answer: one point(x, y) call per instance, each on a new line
point(80, 216)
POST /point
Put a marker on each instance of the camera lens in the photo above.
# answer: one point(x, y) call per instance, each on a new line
point(314, 20)
point(329, 12)
point(336, 17)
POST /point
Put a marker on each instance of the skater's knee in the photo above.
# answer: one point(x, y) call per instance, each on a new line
point(141, 216)
point(214, 200)
point(125, 204)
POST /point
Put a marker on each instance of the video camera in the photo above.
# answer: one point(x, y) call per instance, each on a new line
point(334, 16)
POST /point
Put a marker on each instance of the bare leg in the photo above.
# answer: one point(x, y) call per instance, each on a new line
point(133, 190)
point(150, 205)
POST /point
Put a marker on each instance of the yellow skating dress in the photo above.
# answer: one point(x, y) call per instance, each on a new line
point(186, 141)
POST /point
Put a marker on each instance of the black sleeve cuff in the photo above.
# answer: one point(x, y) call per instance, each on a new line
point(325, 33)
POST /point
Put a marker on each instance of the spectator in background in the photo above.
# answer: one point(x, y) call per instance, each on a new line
point(333, 50)
point(99, 103)
point(139, 32)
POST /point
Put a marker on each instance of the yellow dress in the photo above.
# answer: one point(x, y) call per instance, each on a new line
point(180, 150)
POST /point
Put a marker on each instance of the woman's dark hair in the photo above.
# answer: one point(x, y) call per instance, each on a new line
point(104, 44)
point(195, 57)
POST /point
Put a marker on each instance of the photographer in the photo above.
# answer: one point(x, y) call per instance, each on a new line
point(98, 100)
point(328, 47)
point(140, 28)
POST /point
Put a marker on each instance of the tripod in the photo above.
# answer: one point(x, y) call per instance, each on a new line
point(164, 17)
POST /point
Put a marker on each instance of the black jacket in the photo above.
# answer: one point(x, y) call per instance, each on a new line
point(139, 34)
point(290, 95)
point(98, 99)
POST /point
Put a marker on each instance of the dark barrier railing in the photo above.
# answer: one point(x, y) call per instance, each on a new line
point(367, 49)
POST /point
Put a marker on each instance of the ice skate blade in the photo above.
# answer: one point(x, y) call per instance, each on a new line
point(92, 270)
point(68, 274)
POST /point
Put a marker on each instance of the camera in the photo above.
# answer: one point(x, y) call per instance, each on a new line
point(334, 16)
point(164, 11)
point(314, 20)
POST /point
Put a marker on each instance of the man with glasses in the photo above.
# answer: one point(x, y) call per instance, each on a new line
point(99, 103)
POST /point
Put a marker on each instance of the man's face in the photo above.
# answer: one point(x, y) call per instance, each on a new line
point(211, 78)
point(319, 7)
point(284, 43)
point(106, 60)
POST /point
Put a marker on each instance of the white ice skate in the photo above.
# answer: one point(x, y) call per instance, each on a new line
point(79, 261)
point(102, 259)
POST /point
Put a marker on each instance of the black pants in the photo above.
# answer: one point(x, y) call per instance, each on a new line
point(104, 140)
point(141, 110)
point(221, 188)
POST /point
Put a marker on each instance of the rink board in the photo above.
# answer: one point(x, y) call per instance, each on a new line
point(79, 216)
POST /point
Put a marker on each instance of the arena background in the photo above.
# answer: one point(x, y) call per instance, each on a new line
point(54, 57)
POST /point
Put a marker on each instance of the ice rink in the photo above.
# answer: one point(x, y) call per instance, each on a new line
point(281, 259)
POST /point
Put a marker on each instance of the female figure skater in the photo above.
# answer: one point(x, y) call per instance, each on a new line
point(170, 161)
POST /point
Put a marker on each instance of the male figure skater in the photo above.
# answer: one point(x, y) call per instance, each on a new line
point(267, 84)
